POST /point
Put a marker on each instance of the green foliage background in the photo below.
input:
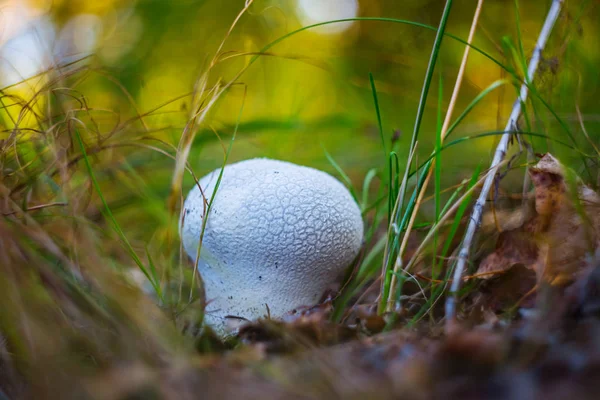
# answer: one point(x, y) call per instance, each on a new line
point(309, 94)
point(91, 141)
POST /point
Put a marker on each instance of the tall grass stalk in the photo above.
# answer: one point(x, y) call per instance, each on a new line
point(387, 291)
point(428, 171)
point(210, 202)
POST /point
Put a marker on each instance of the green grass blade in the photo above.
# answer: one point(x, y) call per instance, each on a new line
point(342, 174)
point(109, 215)
point(371, 174)
point(393, 230)
point(426, 163)
point(476, 100)
point(438, 169)
point(429, 73)
point(214, 193)
point(438, 288)
point(393, 183)
point(153, 271)
point(459, 214)
point(521, 59)
point(378, 112)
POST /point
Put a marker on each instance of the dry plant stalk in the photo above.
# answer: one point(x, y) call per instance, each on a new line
point(201, 106)
point(501, 149)
point(398, 264)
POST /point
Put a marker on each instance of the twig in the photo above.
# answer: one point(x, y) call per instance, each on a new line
point(38, 207)
point(498, 157)
point(398, 264)
point(443, 219)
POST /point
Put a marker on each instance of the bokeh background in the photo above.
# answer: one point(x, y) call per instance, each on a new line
point(118, 79)
point(132, 66)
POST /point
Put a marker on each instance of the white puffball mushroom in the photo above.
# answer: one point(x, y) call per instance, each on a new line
point(277, 235)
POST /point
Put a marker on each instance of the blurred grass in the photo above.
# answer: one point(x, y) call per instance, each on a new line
point(80, 208)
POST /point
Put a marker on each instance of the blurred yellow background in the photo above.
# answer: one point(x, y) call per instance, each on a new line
point(309, 93)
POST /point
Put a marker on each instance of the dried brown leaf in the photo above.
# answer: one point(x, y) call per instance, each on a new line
point(556, 237)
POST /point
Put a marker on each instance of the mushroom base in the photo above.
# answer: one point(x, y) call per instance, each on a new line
point(262, 298)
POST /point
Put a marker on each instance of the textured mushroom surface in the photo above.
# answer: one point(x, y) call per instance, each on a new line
point(278, 234)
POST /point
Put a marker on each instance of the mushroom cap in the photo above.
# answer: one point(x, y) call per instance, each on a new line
point(277, 235)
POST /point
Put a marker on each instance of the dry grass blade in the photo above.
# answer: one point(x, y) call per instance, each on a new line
point(202, 105)
point(443, 219)
point(499, 155)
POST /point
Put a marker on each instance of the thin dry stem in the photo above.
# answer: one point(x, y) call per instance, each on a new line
point(499, 155)
point(444, 218)
point(200, 111)
point(443, 133)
